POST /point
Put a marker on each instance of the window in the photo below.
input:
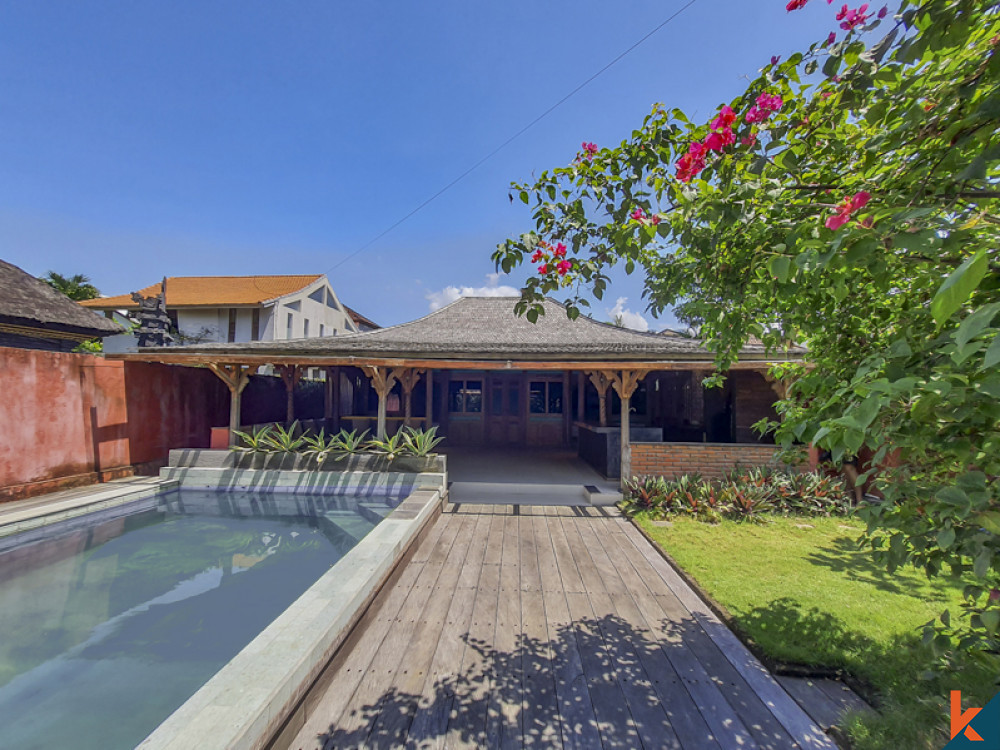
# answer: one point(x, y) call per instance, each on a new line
point(289, 335)
point(545, 397)
point(255, 325)
point(232, 324)
point(465, 396)
point(321, 329)
point(305, 328)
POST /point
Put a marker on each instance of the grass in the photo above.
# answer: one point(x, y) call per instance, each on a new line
point(805, 594)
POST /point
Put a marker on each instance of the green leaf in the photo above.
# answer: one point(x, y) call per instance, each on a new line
point(974, 324)
point(778, 267)
point(958, 287)
point(946, 537)
point(524, 197)
point(990, 619)
point(989, 520)
point(981, 565)
point(992, 356)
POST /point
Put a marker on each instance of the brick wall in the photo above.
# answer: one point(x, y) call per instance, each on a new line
point(711, 460)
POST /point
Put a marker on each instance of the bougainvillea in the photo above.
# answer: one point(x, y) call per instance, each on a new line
point(846, 200)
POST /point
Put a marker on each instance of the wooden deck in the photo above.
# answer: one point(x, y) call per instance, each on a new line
point(518, 626)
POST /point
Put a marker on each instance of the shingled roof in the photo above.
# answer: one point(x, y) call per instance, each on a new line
point(486, 328)
point(31, 303)
point(211, 291)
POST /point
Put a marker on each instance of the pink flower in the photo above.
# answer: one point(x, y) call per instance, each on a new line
point(852, 18)
point(563, 266)
point(766, 105)
point(995, 595)
point(749, 140)
point(537, 256)
point(845, 208)
point(882, 13)
point(543, 269)
point(832, 38)
point(639, 215)
point(589, 150)
point(718, 141)
point(826, 94)
point(559, 251)
point(654, 219)
point(725, 119)
point(691, 164)
point(775, 59)
point(795, 5)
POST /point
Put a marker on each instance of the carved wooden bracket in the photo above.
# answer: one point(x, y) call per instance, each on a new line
point(408, 377)
point(290, 375)
point(778, 385)
point(626, 381)
point(236, 377)
point(382, 379)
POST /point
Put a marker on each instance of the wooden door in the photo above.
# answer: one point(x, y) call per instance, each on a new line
point(504, 409)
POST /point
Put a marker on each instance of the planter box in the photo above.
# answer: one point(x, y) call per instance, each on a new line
point(226, 459)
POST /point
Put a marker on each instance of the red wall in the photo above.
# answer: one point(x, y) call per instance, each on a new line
point(70, 419)
point(711, 460)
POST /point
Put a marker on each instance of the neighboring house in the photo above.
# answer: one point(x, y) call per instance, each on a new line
point(33, 315)
point(234, 309)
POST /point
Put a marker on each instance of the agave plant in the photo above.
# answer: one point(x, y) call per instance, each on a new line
point(390, 447)
point(348, 443)
point(283, 440)
point(255, 441)
point(420, 442)
point(317, 445)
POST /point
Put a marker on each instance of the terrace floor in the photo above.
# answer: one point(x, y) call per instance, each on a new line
point(530, 626)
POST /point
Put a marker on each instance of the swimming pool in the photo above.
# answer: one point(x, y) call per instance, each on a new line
point(113, 620)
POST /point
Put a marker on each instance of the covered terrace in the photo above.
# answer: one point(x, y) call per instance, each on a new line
point(489, 378)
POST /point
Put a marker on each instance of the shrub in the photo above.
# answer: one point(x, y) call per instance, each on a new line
point(744, 495)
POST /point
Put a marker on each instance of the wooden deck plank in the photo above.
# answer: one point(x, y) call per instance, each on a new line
point(794, 720)
point(752, 713)
point(845, 698)
point(325, 710)
point(610, 706)
point(405, 689)
point(467, 718)
point(503, 721)
point(375, 687)
point(578, 720)
point(813, 699)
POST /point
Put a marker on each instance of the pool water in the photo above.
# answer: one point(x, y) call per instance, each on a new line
point(108, 626)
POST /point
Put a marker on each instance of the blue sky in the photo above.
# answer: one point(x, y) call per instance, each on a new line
point(142, 139)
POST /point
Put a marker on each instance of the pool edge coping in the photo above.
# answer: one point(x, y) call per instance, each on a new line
point(247, 702)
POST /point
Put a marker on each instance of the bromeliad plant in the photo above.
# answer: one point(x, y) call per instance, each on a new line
point(846, 200)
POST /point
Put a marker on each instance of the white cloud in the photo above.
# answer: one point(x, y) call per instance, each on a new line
point(629, 319)
point(492, 288)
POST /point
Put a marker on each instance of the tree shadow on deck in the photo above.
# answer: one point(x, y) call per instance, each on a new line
point(594, 682)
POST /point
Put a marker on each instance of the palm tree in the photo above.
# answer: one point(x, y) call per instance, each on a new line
point(76, 287)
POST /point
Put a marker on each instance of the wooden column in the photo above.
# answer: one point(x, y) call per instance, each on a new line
point(382, 381)
point(331, 403)
point(625, 382)
point(567, 409)
point(601, 382)
point(429, 401)
point(407, 377)
point(581, 396)
point(236, 378)
point(290, 375)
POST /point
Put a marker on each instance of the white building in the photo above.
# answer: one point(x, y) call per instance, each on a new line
point(231, 309)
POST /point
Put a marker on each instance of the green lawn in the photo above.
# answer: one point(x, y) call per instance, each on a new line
point(803, 591)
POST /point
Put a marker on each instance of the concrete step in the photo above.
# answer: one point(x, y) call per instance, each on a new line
point(517, 493)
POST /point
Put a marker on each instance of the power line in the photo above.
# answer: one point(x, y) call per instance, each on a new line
point(512, 138)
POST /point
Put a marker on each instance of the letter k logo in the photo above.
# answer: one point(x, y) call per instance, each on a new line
point(960, 721)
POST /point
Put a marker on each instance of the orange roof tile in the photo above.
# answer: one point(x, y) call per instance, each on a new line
point(212, 291)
